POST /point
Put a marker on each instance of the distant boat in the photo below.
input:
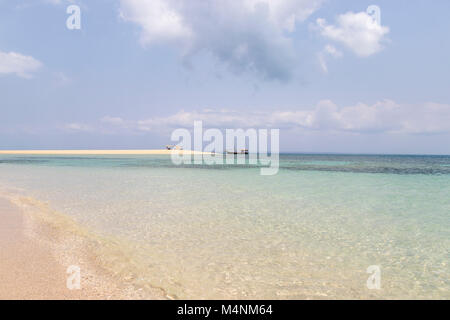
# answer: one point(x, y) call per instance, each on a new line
point(243, 151)
point(170, 147)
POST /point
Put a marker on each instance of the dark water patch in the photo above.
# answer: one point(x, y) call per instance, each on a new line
point(24, 161)
point(383, 170)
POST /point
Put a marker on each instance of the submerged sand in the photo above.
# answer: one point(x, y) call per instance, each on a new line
point(31, 268)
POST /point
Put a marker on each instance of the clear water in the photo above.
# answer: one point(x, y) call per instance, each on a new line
point(311, 231)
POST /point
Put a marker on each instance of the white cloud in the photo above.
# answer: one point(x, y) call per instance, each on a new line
point(159, 20)
point(359, 32)
point(332, 51)
point(248, 35)
point(329, 50)
point(285, 13)
point(78, 127)
point(112, 120)
point(211, 118)
point(16, 63)
point(382, 117)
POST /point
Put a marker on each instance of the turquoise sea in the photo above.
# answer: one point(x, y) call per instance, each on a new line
point(225, 231)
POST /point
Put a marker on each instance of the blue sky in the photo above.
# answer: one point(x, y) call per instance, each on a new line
point(324, 72)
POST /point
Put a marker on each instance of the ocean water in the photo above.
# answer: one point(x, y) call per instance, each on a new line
point(225, 231)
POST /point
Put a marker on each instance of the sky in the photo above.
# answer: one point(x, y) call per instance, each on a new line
point(332, 75)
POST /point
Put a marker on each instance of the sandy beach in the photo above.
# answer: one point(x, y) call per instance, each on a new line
point(98, 152)
point(31, 269)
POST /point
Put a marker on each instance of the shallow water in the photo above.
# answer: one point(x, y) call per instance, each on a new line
point(225, 231)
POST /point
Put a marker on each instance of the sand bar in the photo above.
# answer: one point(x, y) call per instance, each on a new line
point(98, 152)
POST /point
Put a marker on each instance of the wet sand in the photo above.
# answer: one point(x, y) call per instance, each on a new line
point(30, 269)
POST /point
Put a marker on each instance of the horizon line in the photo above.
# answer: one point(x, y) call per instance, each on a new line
point(165, 151)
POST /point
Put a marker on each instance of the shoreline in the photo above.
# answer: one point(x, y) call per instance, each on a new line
point(99, 152)
point(36, 255)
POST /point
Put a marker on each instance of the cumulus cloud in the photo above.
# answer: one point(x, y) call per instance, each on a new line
point(359, 32)
point(16, 63)
point(382, 117)
point(248, 35)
